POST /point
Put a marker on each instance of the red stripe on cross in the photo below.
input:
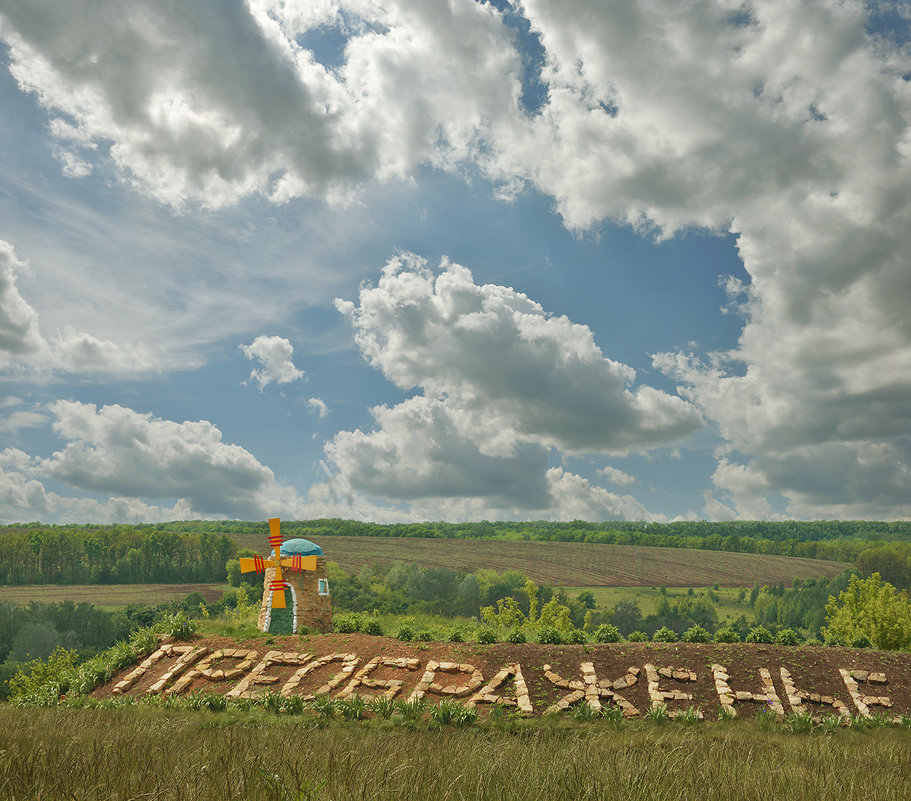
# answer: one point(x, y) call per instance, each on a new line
point(275, 539)
point(297, 562)
point(277, 585)
point(258, 563)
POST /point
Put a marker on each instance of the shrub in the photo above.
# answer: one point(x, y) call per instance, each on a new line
point(607, 632)
point(800, 722)
point(549, 636)
point(871, 607)
point(382, 707)
point(516, 636)
point(445, 712)
point(295, 704)
point(423, 636)
point(455, 635)
point(347, 624)
point(766, 717)
point(657, 713)
point(690, 715)
point(584, 712)
point(664, 634)
point(200, 700)
point(352, 708)
point(325, 705)
point(144, 640)
point(759, 634)
point(696, 634)
point(178, 626)
point(727, 634)
point(787, 637)
point(830, 723)
point(411, 710)
point(637, 636)
point(405, 633)
point(575, 637)
point(465, 716)
point(39, 679)
point(486, 635)
point(861, 641)
point(274, 702)
point(373, 627)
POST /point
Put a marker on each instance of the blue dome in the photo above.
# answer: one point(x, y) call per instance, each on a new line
point(301, 546)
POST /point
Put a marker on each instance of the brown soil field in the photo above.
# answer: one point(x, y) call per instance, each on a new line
point(881, 679)
point(574, 564)
point(108, 595)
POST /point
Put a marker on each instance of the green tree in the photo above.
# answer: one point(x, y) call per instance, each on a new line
point(873, 608)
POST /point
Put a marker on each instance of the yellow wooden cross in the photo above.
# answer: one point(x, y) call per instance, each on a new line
point(295, 562)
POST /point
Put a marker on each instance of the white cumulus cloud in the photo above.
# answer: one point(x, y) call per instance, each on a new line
point(503, 384)
point(274, 354)
point(117, 451)
point(198, 105)
point(319, 407)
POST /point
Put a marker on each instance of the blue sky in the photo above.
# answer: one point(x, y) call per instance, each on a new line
point(409, 260)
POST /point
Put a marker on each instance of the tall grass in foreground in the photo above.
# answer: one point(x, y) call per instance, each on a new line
point(142, 752)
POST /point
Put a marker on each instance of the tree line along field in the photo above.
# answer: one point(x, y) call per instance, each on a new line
point(575, 564)
point(197, 551)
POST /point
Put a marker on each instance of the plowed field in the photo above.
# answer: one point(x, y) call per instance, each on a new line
point(108, 595)
point(574, 564)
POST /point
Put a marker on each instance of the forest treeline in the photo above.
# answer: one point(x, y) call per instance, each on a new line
point(117, 554)
point(196, 551)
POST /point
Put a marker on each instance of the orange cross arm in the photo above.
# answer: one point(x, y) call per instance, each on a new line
point(300, 562)
point(257, 563)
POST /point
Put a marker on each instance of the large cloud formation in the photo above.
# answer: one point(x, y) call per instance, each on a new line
point(206, 108)
point(503, 383)
point(115, 450)
point(721, 114)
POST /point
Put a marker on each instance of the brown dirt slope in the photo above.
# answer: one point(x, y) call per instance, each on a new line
point(877, 681)
point(575, 564)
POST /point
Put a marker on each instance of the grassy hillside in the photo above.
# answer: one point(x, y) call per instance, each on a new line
point(572, 564)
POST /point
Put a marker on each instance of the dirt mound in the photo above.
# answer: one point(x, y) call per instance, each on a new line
point(534, 678)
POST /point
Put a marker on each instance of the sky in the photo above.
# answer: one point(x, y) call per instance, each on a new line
point(406, 260)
